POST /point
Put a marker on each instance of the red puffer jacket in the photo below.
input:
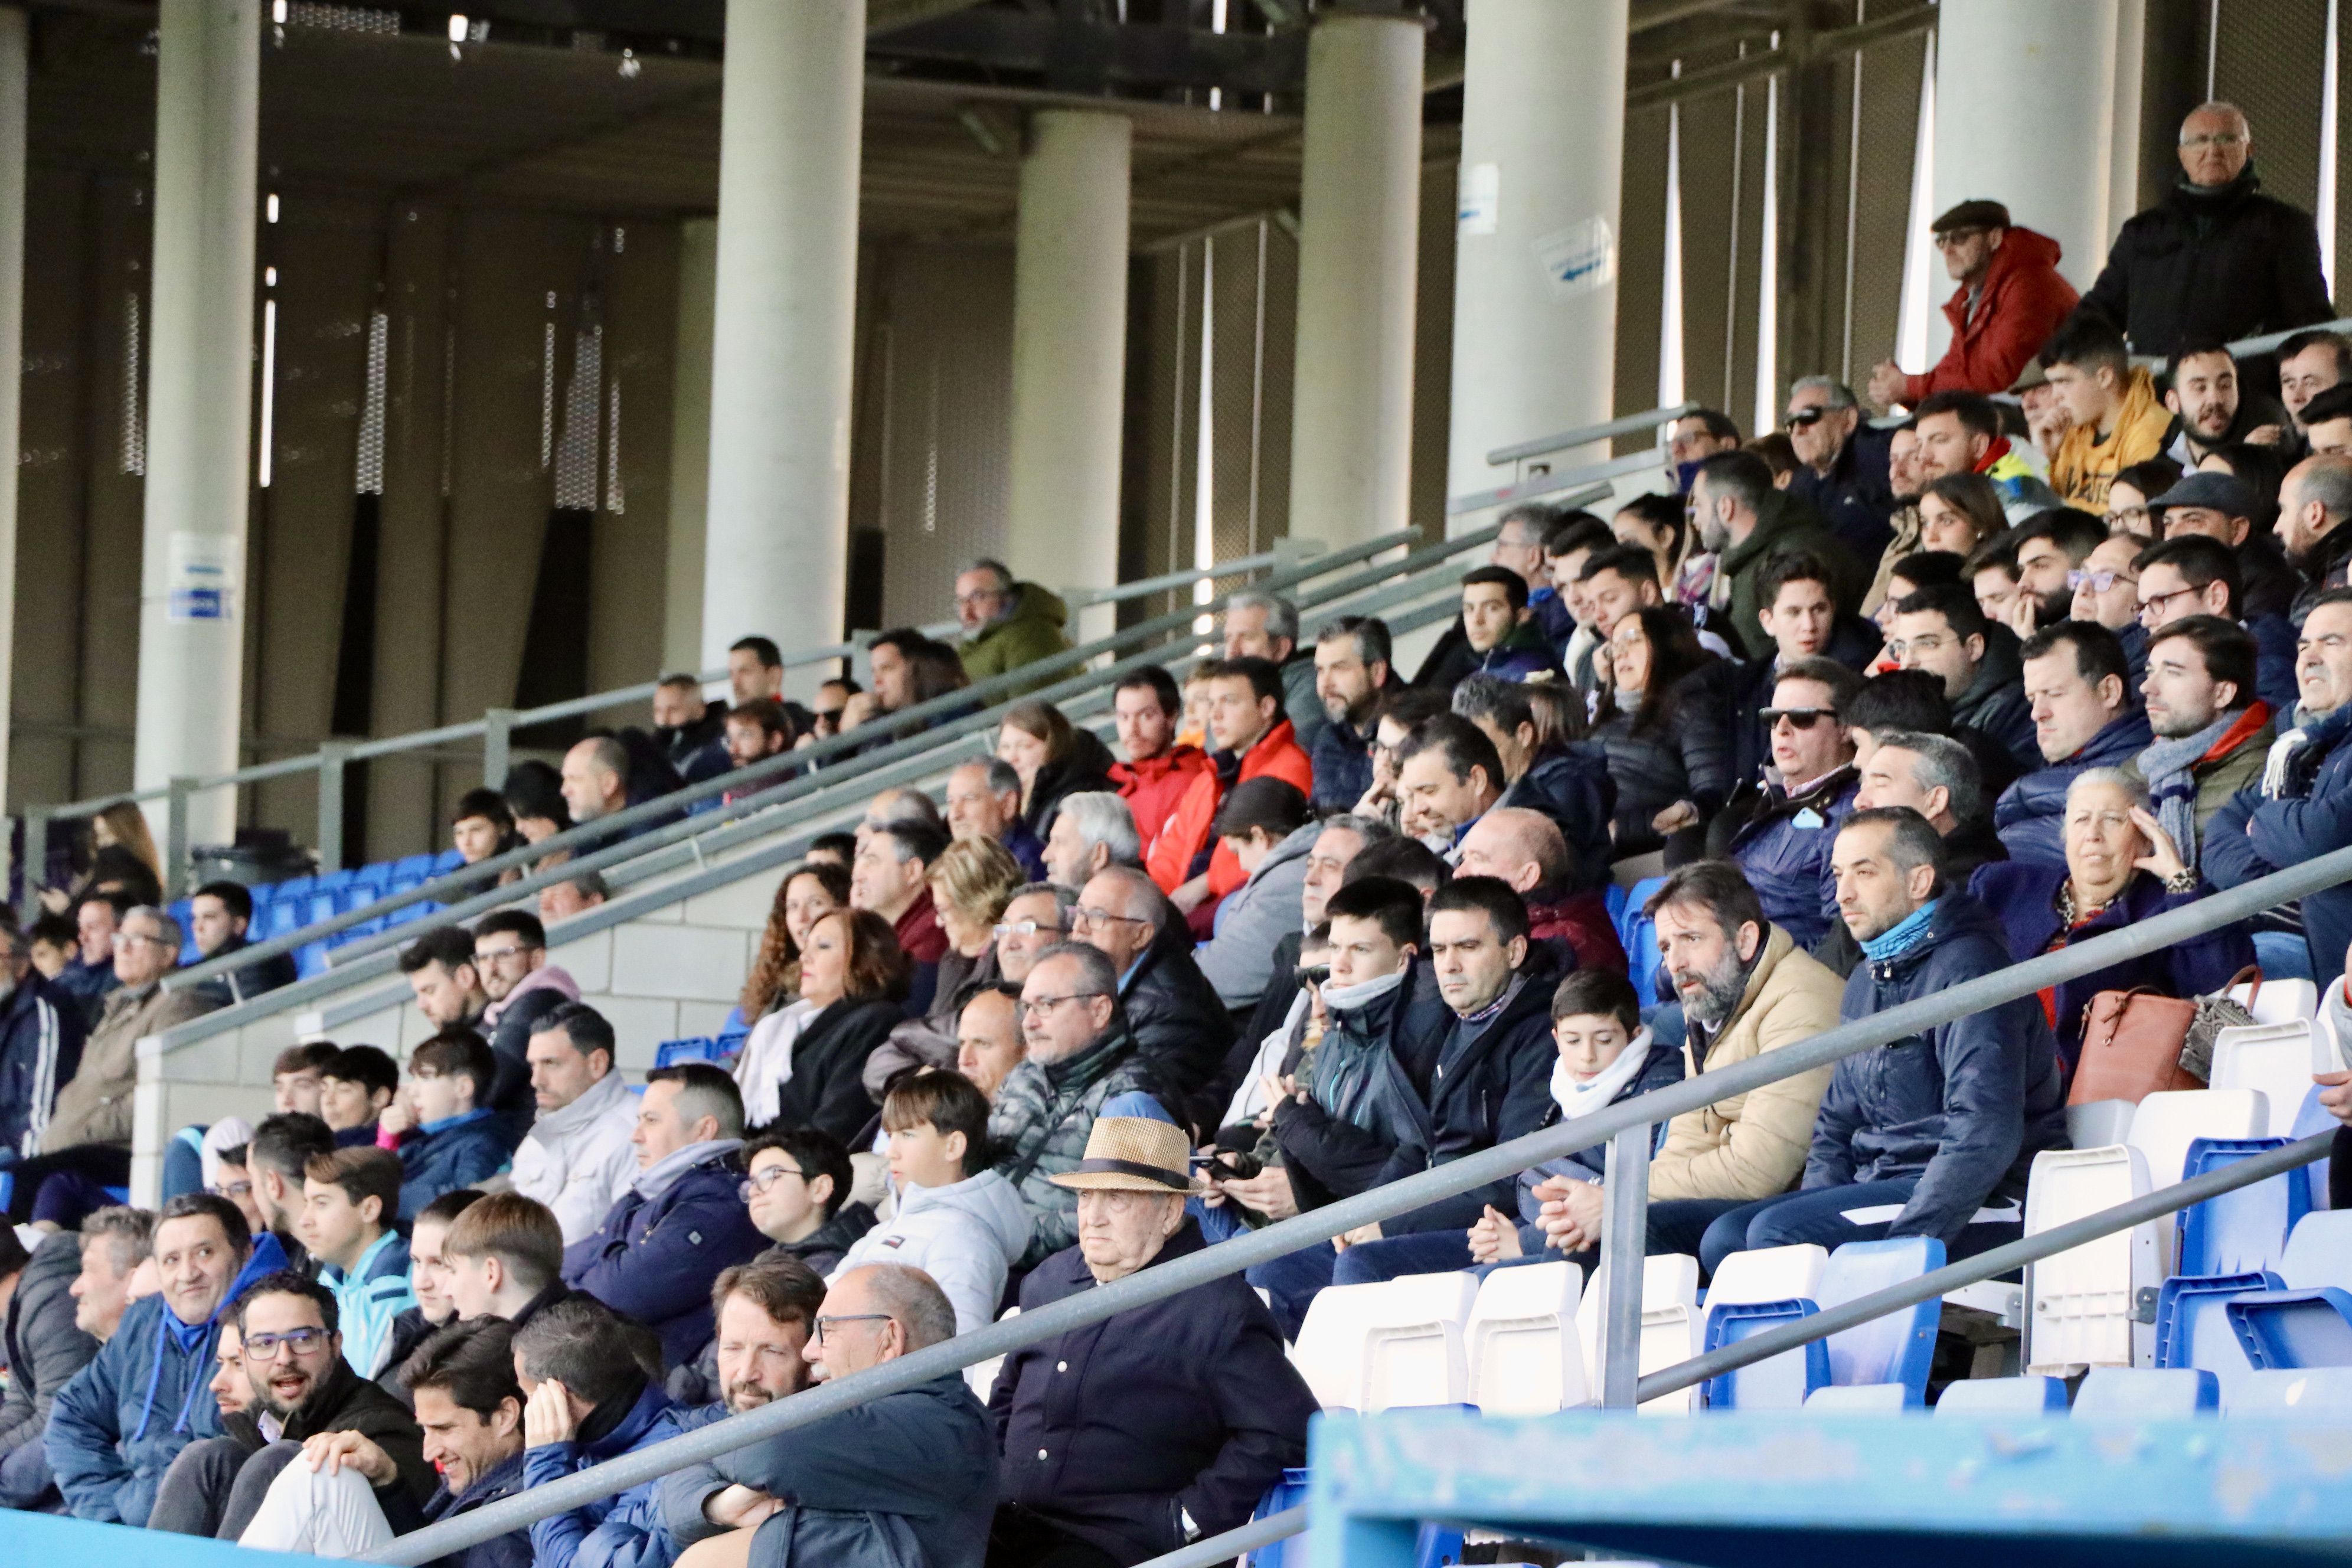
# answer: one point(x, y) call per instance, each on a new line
point(1153, 788)
point(1170, 859)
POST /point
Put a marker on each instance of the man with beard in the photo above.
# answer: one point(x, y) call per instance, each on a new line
point(2222, 507)
point(1351, 674)
point(2315, 500)
point(2050, 548)
point(300, 1384)
point(2212, 735)
point(1745, 988)
point(2211, 410)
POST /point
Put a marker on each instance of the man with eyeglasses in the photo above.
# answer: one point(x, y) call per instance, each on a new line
point(1173, 1012)
point(1006, 624)
point(909, 1477)
point(1037, 918)
point(2216, 261)
point(1779, 830)
point(1840, 464)
point(2194, 575)
point(2011, 297)
point(300, 1384)
point(86, 1147)
point(1080, 1054)
point(2222, 507)
point(2105, 589)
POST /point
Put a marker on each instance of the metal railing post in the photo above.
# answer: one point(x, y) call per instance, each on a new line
point(334, 756)
point(37, 863)
point(176, 837)
point(497, 745)
point(1624, 1245)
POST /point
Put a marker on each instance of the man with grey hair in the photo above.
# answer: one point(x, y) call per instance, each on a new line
point(910, 1477)
point(86, 1148)
point(1177, 1017)
point(1080, 1055)
point(1093, 831)
point(1840, 464)
point(1006, 622)
point(2216, 261)
point(984, 802)
point(1037, 918)
point(1265, 625)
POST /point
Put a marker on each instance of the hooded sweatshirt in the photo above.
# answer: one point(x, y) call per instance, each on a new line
point(578, 1161)
point(966, 1236)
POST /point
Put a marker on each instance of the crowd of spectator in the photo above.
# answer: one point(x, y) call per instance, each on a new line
point(1883, 705)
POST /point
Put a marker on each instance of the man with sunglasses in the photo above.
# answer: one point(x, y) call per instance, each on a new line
point(2009, 299)
point(1840, 464)
point(301, 1386)
point(1780, 829)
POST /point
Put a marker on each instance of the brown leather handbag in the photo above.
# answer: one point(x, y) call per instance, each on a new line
point(2135, 1043)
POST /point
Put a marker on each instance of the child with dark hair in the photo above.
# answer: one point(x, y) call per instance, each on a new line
point(445, 1133)
point(355, 1084)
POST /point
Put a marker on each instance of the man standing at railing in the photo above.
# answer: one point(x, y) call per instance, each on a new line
point(1006, 624)
point(1932, 1134)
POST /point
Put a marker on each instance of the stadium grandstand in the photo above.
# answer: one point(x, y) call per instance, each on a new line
point(910, 784)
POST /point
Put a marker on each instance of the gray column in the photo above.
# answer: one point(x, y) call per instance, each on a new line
point(13, 29)
point(1360, 211)
point(200, 396)
point(1069, 349)
point(689, 444)
point(776, 543)
point(1535, 290)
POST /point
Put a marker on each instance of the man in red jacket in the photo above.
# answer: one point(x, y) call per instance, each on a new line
point(2009, 300)
point(1157, 771)
point(1252, 739)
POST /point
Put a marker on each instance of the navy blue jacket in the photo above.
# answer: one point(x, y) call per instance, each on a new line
point(2252, 836)
point(1783, 842)
point(619, 1531)
point(2274, 680)
point(466, 1149)
point(906, 1480)
point(1571, 785)
point(41, 1032)
point(1114, 1432)
point(2030, 815)
point(1342, 760)
point(512, 1549)
point(1855, 498)
point(1490, 1083)
point(656, 1260)
point(1964, 1107)
point(1021, 841)
point(2025, 899)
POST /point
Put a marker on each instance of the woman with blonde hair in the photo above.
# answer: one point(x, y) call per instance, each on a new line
point(1054, 759)
point(971, 882)
point(122, 860)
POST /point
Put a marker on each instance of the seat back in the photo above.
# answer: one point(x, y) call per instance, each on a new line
point(1639, 933)
point(2273, 1059)
point(2278, 1001)
point(2003, 1396)
point(2318, 1252)
point(2096, 1123)
point(1777, 1383)
point(1895, 1348)
point(1858, 1399)
point(1526, 1357)
point(1769, 1274)
point(2081, 1303)
point(1413, 1349)
point(2146, 1393)
point(2245, 1231)
point(2166, 1122)
point(2193, 1327)
point(1329, 1353)
point(1672, 1327)
point(2280, 1329)
point(2314, 1394)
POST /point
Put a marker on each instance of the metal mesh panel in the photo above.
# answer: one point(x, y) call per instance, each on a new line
point(2268, 61)
point(1641, 270)
point(576, 452)
point(369, 469)
point(1889, 131)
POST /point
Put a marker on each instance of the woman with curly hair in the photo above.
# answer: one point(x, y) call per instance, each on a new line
point(1054, 759)
point(855, 975)
point(769, 1014)
point(971, 882)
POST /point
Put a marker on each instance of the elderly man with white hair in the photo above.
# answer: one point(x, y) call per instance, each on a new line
point(1128, 1438)
point(1093, 831)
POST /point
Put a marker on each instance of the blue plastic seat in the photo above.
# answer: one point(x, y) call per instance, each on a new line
point(293, 886)
point(311, 958)
point(697, 1048)
point(1439, 1544)
point(2243, 1232)
point(2319, 1394)
point(1613, 897)
point(2003, 1396)
point(1629, 911)
point(319, 908)
point(341, 876)
point(2146, 1393)
point(447, 861)
point(282, 918)
point(377, 875)
point(2192, 1323)
point(2282, 1330)
point(1898, 1347)
point(412, 867)
point(1781, 1383)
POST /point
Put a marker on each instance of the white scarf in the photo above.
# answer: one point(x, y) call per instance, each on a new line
point(1576, 1099)
point(1354, 996)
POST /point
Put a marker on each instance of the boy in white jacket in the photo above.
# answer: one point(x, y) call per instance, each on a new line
point(577, 1159)
point(964, 1231)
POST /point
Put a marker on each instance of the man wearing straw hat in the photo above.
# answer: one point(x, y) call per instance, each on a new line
point(1188, 1407)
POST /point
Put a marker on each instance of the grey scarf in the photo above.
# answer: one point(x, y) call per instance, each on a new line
point(658, 1177)
point(2171, 787)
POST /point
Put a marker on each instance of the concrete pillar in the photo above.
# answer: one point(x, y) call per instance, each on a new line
point(689, 444)
point(2024, 114)
point(1360, 211)
point(776, 544)
point(13, 27)
point(1535, 268)
point(1069, 349)
point(200, 395)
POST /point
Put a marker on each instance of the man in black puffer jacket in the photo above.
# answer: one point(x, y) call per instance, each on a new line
point(45, 1349)
point(1934, 1133)
point(2216, 261)
point(1179, 1023)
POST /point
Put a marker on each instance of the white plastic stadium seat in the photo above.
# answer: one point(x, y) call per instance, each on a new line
point(1765, 1276)
point(2279, 1001)
point(1858, 1399)
point(2166, 1123)
point(2308, 1393)
point(1526, 1358)
point(2275, 1058)
point(981, 1375)
point(1329, 1353)
point(2319, 1252)
point(1413, 1348)
point(2080, 1304)
point(1672, 1328)
point(1999, 1398)
point(1769, 1274)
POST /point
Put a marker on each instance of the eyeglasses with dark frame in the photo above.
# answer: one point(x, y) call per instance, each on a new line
point(823, 1323)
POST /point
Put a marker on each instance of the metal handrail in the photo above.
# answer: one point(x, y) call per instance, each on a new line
point(1543, 485)
point(1585, 435)
point(2261, 344)
point(1012, 685)
point(1504, 1161)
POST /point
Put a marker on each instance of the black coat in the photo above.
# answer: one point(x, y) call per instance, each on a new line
point(1115, 1431)
point(1329, 1156)
point(2211, 266)
point(1683, 756)
point(1178, 1021)
point(1571, 785)
point(1086, 769)
point(825, 1090)
point(509, 1043)
point(44, 1351)
point(1994, 705)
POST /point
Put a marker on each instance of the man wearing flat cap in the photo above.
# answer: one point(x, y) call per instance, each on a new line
point(2009, 300)
point(1163, 1424)
point(2222, 507)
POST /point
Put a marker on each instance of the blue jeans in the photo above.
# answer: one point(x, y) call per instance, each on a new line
point(1818, 1215)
